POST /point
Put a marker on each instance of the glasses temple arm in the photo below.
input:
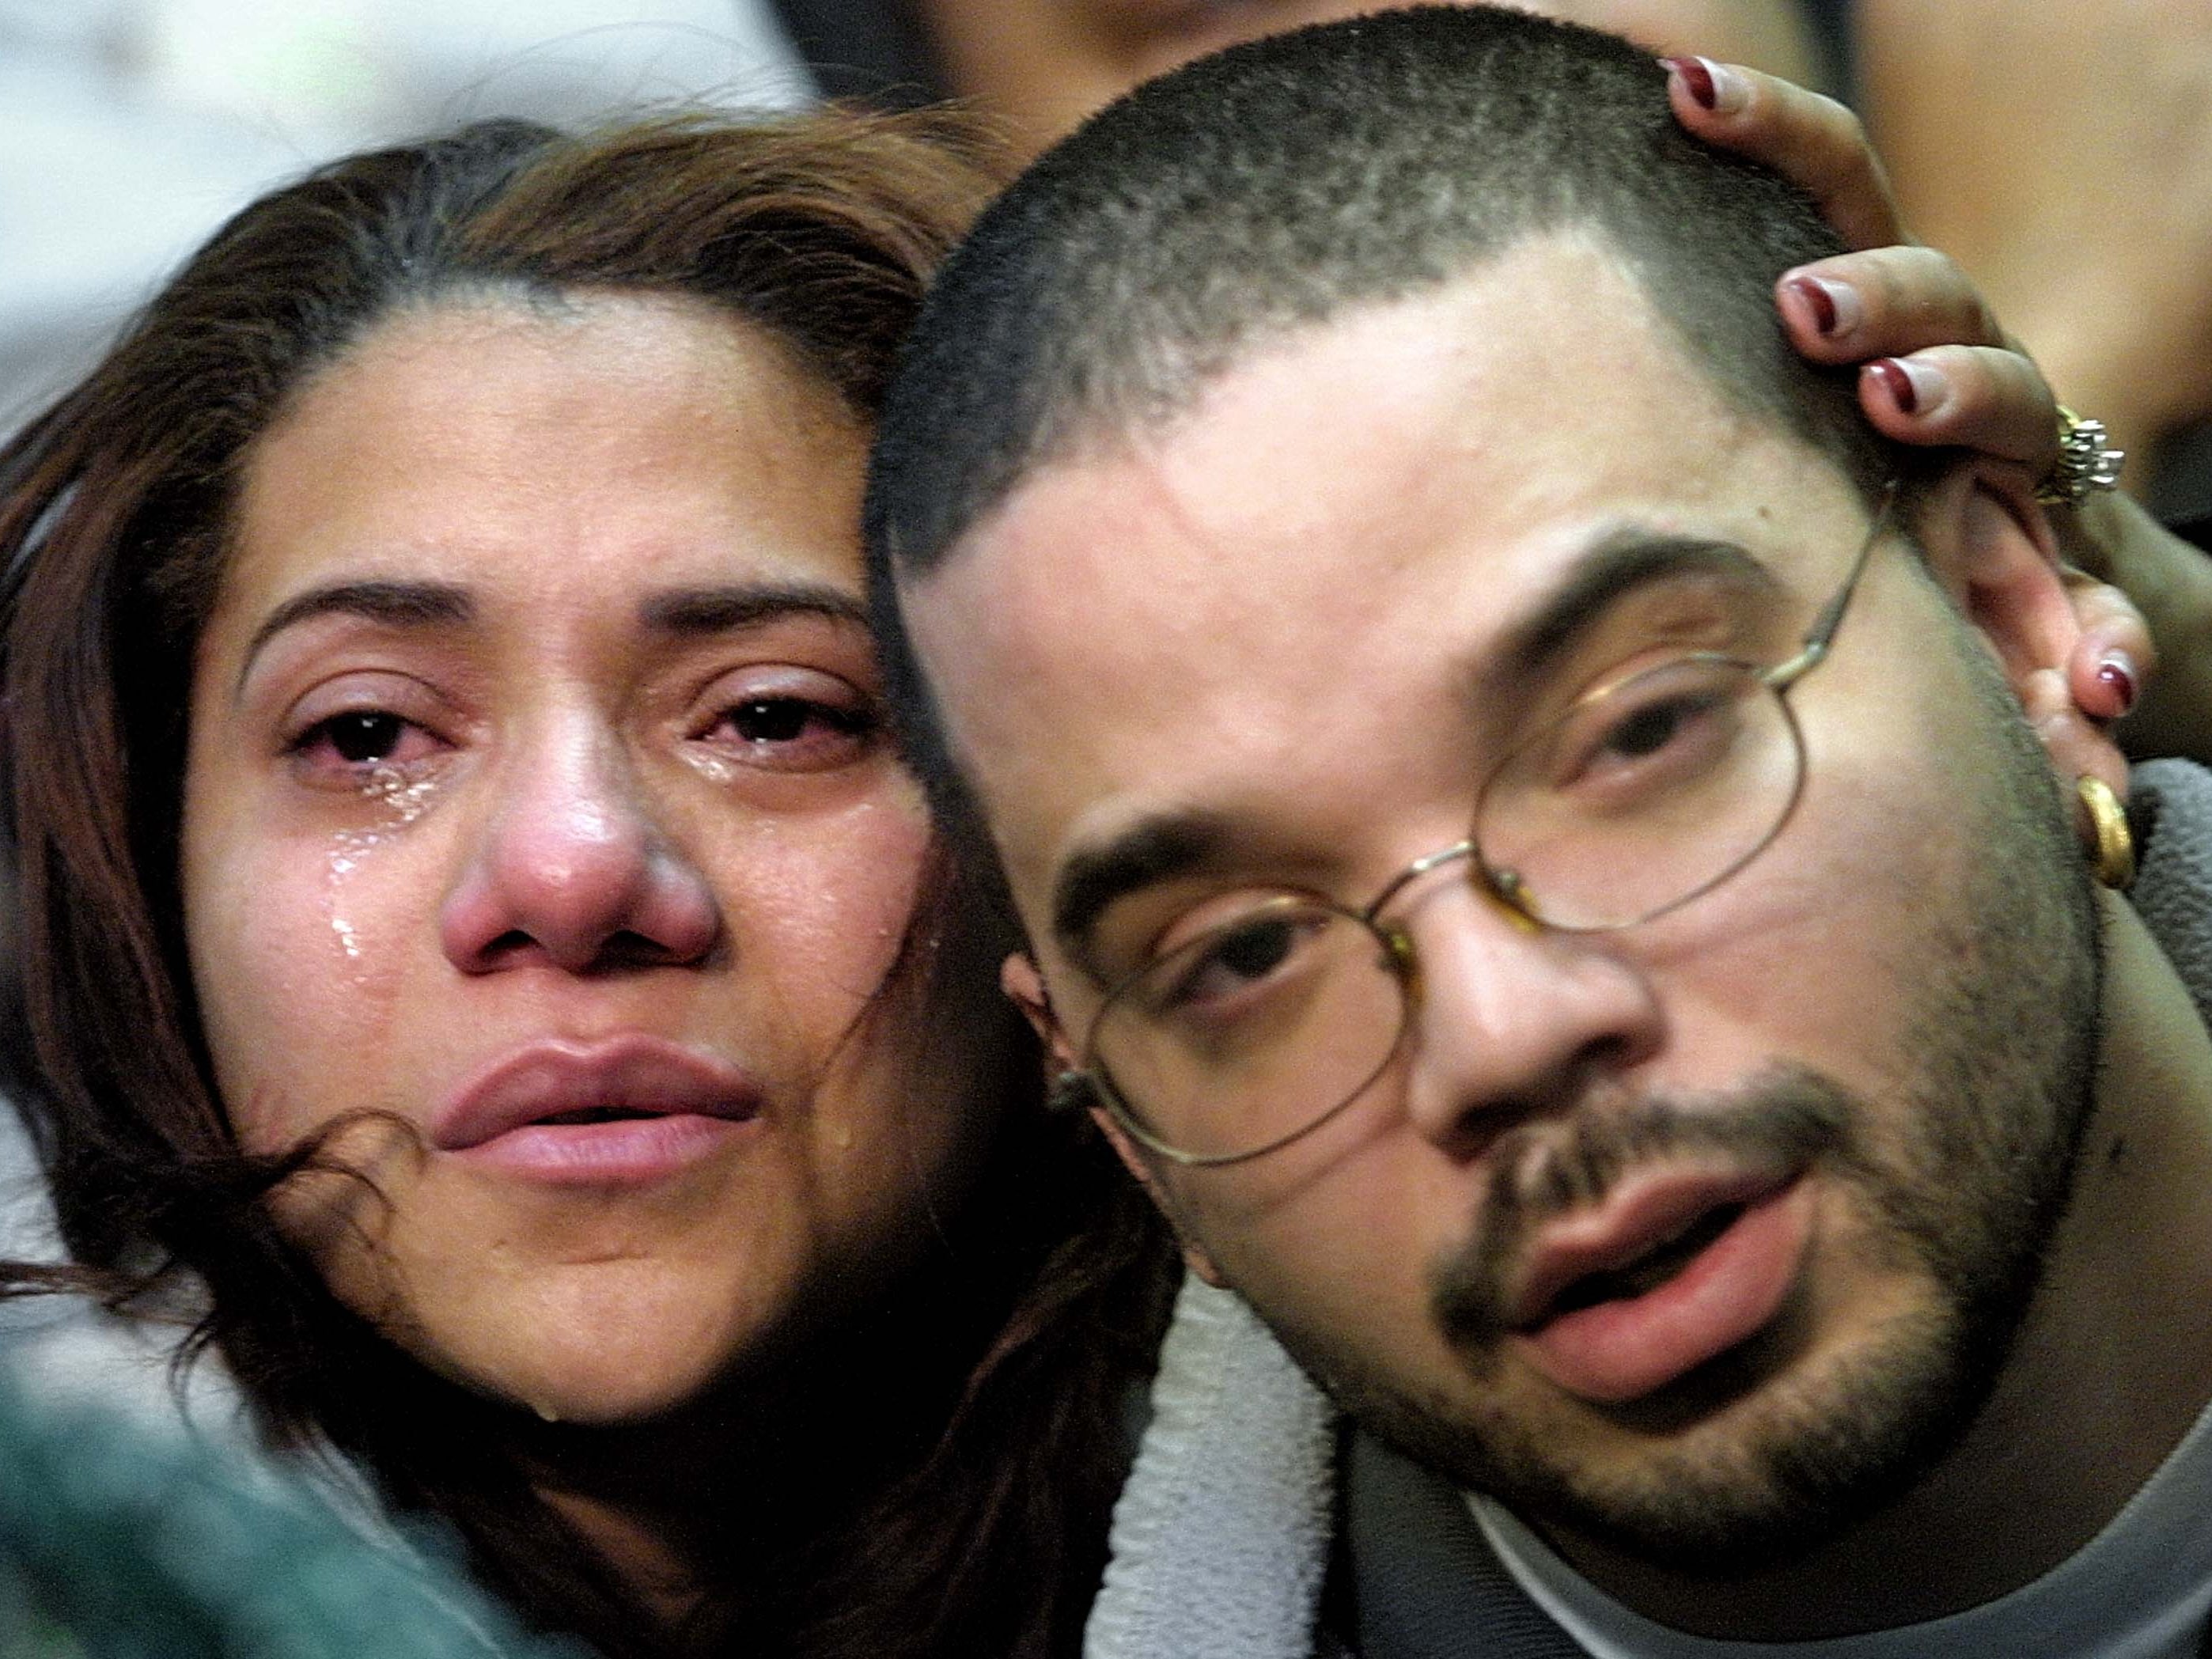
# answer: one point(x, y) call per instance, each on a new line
point(1822, 634)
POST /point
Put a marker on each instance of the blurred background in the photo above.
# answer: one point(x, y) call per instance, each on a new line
point(129, 129)
point(2062, 151)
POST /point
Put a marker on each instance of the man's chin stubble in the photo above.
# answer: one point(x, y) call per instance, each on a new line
point(1813, 1457)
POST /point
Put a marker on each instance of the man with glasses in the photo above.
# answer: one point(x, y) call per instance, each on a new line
point(1567, 869)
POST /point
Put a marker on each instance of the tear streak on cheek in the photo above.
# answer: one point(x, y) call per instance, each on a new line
point(405, 802)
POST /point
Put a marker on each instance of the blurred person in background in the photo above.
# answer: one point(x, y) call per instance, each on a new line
point(132, 128)
point(1041, 66)
point(2062, 153)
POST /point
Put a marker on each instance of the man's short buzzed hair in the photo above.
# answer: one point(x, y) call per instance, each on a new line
point(1277, 184)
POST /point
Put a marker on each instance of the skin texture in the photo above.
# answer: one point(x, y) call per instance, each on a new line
point(1457, 473)
point(1043, 65)
point(582, 829)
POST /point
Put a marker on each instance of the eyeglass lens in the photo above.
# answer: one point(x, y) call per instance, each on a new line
point(1640, 797)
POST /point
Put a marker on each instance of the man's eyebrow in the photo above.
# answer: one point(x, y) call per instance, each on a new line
point(1611, 568)
point(394, 603)
point(1174, 843)
point(727, 607)
point(1150, 851)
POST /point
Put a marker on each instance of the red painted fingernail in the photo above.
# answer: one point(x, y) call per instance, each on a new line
point(1817, 298)
point(1698, 78)
point(2115, 675)
point(1894, 380)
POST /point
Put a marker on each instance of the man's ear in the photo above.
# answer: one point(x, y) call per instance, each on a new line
point(1992, 549)
point(1019, 978)
point(1025, 988)
point(1140, 1164)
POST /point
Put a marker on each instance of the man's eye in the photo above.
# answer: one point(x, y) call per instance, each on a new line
point(1643, 733)
point(1232, 996)
point(1661, 731)
point(1254, 950)
point(1213, 973)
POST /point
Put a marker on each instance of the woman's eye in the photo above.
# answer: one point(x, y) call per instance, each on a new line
point(780, 720)
point(365, 737)
point(794, 733)
point(362, 739)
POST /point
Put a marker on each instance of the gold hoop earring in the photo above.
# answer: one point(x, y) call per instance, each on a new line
point(2115, 862)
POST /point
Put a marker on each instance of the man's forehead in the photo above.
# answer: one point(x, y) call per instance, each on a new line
point(1541, 374)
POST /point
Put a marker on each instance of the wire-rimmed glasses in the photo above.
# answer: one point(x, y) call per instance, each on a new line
point(1645, 793)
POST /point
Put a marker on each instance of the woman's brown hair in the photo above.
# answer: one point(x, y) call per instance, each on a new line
point(960, 1507)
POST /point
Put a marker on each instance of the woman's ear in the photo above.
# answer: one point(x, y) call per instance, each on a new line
point(1991, 550)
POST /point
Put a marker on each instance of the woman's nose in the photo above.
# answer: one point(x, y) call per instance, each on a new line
point(571, 866)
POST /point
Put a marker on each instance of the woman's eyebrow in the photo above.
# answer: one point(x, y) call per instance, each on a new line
point(395, 604)
point(721, 608)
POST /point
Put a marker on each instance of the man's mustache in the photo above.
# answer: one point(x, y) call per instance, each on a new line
point(1785, 1120)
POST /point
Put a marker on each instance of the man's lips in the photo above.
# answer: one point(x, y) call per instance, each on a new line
point(628, 1107)
point(1674, 1272)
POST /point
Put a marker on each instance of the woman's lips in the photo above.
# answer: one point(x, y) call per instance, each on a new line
point(632, 1151)
point(1726, 1292)
point(623, 1111)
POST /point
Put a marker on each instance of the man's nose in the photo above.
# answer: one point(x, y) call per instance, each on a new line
point(571, 866)
point(1509, 1022)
